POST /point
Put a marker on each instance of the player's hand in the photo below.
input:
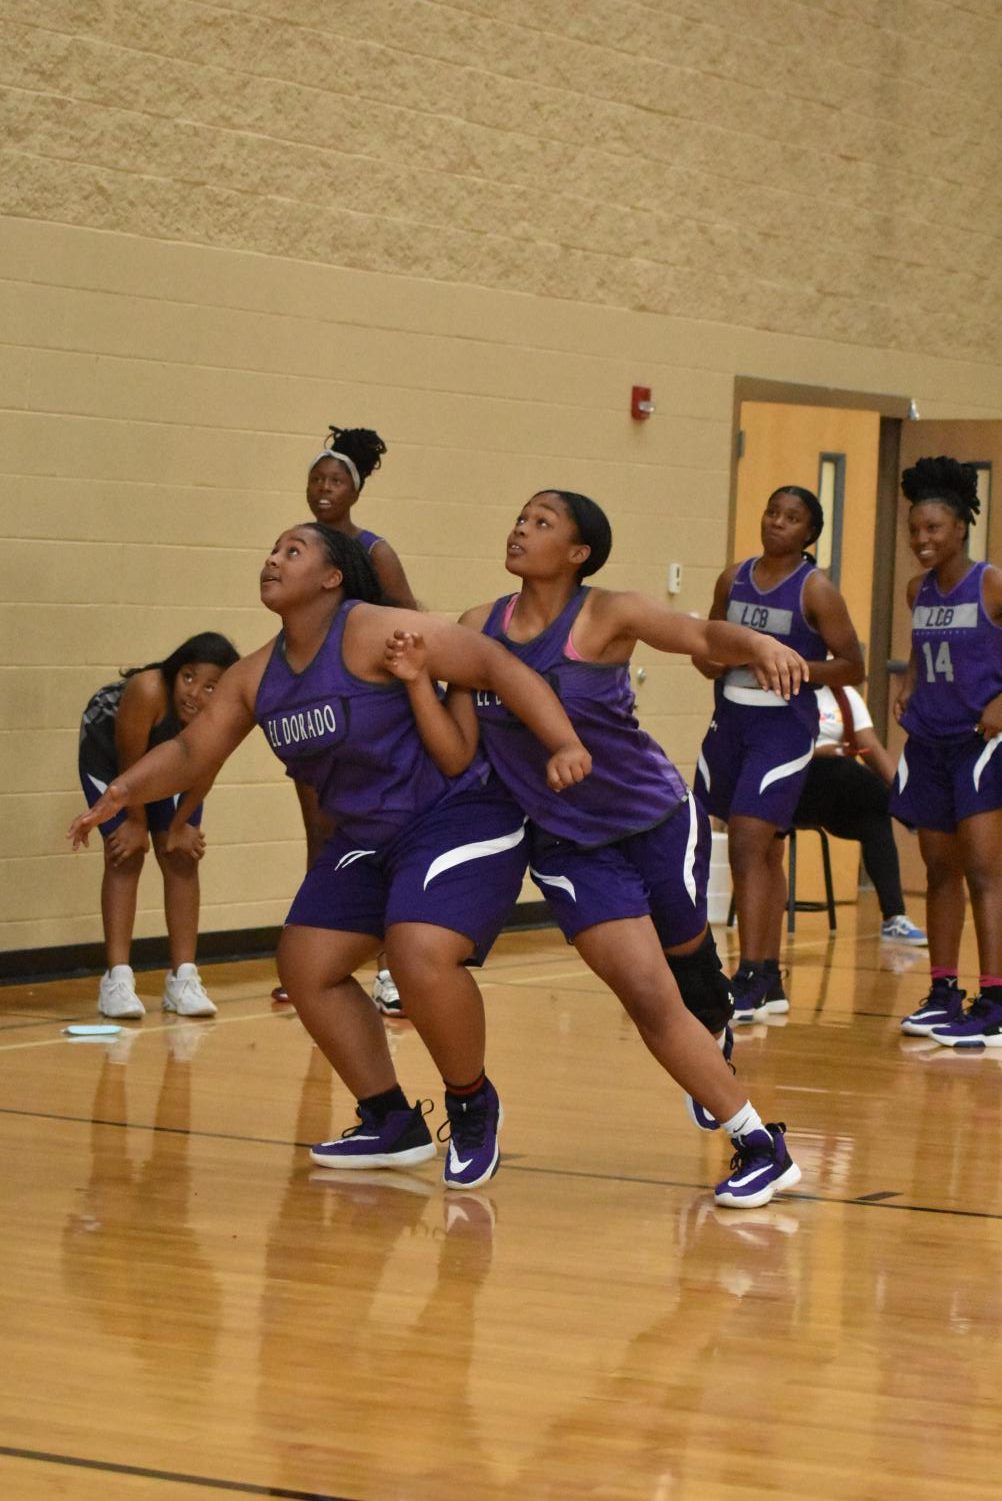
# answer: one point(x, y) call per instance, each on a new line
point(778, 667)
point(130, 838)
point(187, 840)
point(990, 723)
point(569, 764)
point(405, 655)
point(106, 807)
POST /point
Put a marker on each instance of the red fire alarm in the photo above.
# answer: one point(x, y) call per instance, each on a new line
point(641, 405)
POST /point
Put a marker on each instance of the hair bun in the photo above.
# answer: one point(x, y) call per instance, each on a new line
point(945, 479)
point(362, 445)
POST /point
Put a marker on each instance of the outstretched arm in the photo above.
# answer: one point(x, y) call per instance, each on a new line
point(629, 617)
point(465, 658)
point(449, 738)
point(194, 755)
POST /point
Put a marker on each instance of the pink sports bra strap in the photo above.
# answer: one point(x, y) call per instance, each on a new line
point(570, 650)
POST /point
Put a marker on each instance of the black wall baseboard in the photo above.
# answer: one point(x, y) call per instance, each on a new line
point(62, 962)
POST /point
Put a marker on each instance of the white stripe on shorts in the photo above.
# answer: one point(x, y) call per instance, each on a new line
point(902, 772)
point(476, 851)
point(984, 758)
point(788, 769)
point(351, 857)
point(689, 863)
point(563, 883)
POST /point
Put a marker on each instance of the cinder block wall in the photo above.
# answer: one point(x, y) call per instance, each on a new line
point(473, 226)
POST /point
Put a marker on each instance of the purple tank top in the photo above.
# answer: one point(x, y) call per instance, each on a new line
point(958, 658)
point(367, 539)
point(775, 612)
point(355, 742)
point(632, 785)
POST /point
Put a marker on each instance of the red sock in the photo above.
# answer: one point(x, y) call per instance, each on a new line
point(987, 980)
point(942, 972)
point(466, 1089)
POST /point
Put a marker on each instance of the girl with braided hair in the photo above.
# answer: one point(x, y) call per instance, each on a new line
point(426, 862)
point(949, 778)
point(334, 483)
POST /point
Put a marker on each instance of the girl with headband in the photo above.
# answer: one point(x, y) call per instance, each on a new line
point(334, 483)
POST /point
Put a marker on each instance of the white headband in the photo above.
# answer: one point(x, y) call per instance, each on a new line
point(342, 458)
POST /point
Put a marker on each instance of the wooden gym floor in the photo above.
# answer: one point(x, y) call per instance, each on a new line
point(189, 1309)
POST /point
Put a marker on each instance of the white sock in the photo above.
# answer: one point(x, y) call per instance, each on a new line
point(121, 972)
point(747, 1119)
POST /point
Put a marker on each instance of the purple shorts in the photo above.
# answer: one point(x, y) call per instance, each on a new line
point(661, 874)
point(941, 782)
point(754, 762)
point(159, 815)
point(458, 866)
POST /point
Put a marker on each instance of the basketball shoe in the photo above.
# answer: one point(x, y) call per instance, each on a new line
point(398, 1139)
point(385, 995)
point(185, 994)
point(761, 1166)
point(474, 1124)
point(979, 1026)
point(697, 1113)
point(757, 994)
point(117, 994)
point(942, 1006)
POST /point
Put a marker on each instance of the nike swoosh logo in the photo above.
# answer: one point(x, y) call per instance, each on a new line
point(456, 1165)
point(741, 1182)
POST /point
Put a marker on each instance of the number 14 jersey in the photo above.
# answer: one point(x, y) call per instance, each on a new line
point(957, 649)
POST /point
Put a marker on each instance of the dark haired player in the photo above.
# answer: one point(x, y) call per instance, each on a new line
point(755, 756)
point(621, 859)
point(949, 780)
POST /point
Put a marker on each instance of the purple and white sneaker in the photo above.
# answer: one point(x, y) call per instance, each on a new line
point(943, 1006)
point(474, 1124)
point(697, 1113)
point(761, 1166)
point(757, 994)
point(400, 1139)
point(980, 1026)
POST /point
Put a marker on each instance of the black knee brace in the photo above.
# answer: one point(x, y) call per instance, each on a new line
point(705, 988)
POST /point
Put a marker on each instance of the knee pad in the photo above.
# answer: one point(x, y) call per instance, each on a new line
point(705, 988)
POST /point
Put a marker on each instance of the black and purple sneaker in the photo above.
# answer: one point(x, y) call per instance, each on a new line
point(943, 1006)
point(761, 1166)
point(400, 1139)
point(980, 1026)
point(474, 1124)
point(758, 994)
point(697, 1113)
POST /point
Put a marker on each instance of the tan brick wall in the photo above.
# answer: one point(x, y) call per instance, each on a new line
point(473, 226)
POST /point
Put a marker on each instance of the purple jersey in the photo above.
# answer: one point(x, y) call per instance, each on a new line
point(367, 539)
point(958, 658)
point(355, 742)
point(632, 785)
point(776, 612)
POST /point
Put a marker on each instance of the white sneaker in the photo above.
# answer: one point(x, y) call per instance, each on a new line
point(117, 994)
point(385, 995)
point(903, 930)
point(185, 994)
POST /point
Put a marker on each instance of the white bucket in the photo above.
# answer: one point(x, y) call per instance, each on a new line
point(718, 885)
